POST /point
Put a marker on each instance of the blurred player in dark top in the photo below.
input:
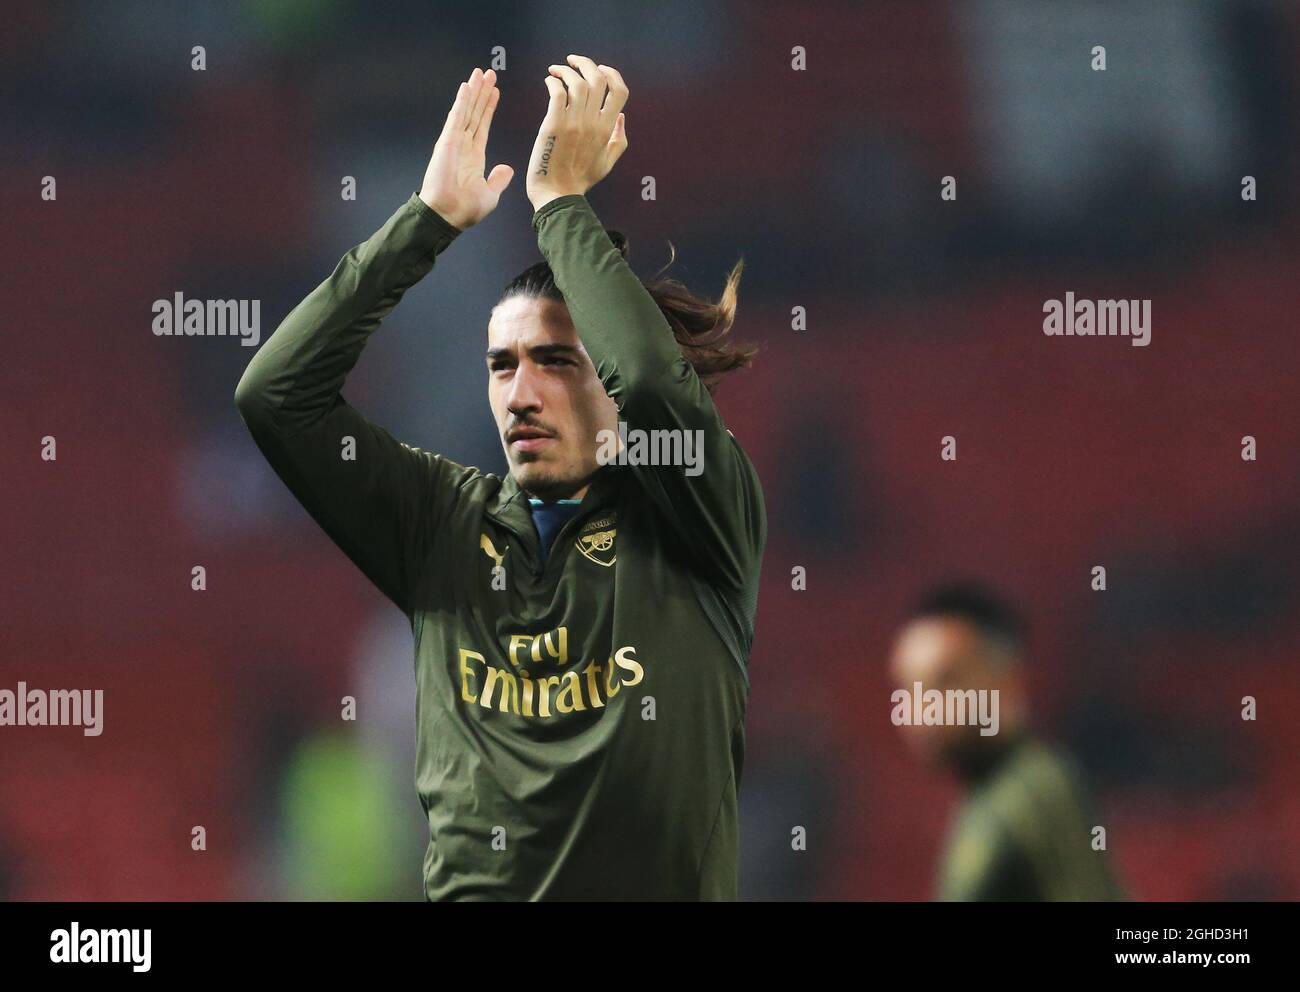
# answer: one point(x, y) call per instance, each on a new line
point(1024, 830)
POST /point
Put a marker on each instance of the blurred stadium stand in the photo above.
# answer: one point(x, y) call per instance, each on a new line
point(924, 321)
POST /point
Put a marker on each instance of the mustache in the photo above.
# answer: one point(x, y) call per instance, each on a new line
point(527, 423)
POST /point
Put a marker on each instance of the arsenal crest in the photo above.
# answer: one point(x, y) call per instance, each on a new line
point(596, 542)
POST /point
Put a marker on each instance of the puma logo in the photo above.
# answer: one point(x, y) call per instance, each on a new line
point(490, 550)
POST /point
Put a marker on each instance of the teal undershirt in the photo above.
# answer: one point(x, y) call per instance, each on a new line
point(549, 518)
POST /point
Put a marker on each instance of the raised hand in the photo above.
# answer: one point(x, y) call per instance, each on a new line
point(454, 186)
point(583, 133)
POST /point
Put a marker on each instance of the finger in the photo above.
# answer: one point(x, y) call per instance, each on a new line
point(459, 116)
point(617, 141)
point(499, 178)
point(454, 120)
point(616, 99)
point(485, 121)
point(577, 87)
point(559, 97)
point(480, 84)
point(597, 82)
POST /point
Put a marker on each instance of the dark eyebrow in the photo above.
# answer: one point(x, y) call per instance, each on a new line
point(547, 350)
point(536, 351)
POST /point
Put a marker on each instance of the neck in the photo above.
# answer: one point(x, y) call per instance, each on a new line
point(572, 489)
point(982, 761)
point(554, 495)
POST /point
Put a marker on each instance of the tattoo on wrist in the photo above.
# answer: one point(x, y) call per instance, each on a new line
point(546, 156)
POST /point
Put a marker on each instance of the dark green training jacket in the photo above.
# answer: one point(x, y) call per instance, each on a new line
point(1025, 834)
point(580, 725)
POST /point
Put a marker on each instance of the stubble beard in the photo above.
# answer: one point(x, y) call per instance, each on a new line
point(547, 481)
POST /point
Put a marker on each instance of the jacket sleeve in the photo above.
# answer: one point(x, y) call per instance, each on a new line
point(987, 864)
point(718, 513)
point(378, 499)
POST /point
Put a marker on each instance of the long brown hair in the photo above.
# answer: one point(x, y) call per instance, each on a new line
point(702, 327)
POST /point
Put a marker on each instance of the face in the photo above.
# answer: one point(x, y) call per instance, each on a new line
point(547, 400)
point(948, 653)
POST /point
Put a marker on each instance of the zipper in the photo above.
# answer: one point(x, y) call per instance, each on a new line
point(521, 542)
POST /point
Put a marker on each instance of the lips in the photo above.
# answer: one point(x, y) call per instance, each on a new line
point(530, 443)
point(528, 438)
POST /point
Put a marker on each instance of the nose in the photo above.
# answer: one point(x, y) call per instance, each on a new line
point(524, 395)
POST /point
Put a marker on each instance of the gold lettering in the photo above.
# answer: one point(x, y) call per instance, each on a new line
point(515, 641)
point(563, 656)
point(528, 692)
point(514, 692)
point(629, 664)
point(545, 685)
point(465, 673)
point(509, 694)
point(593, 670)
point(573, 690)
point(611, 687)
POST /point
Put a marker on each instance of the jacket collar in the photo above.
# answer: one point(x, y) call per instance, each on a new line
point(510, 504)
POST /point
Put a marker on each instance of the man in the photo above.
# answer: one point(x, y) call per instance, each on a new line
point(582, 627)
point(1023, 831)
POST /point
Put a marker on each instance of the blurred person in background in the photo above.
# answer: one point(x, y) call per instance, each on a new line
point(582, 626)
point(1023, 831)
